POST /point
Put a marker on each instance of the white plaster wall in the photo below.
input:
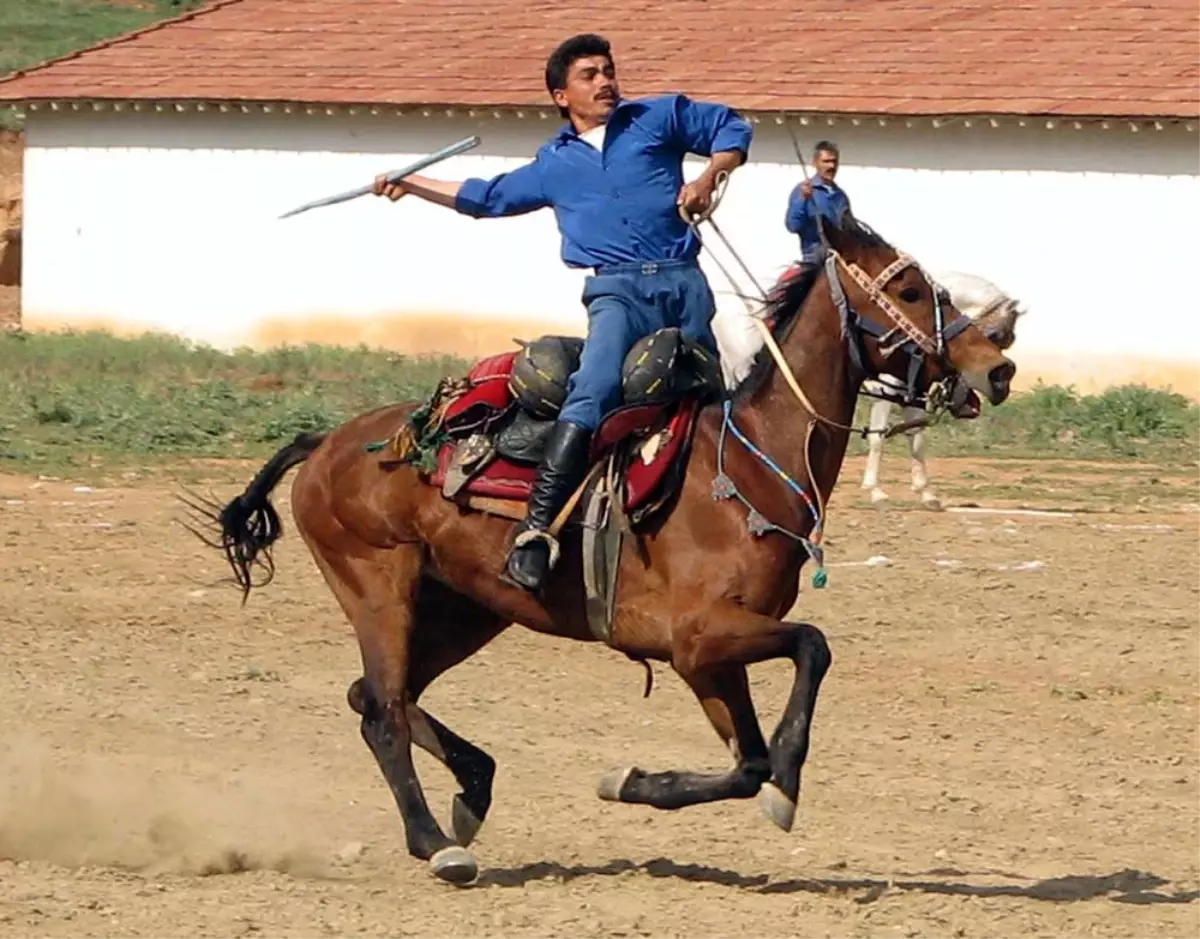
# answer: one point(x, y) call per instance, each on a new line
point(169, 221)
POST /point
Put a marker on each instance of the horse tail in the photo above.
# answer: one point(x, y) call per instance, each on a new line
point(249, 524)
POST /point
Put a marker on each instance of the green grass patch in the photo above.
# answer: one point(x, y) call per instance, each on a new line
point(89, 398)
point(73, 399)
point(32, 31)
point(1123, 422)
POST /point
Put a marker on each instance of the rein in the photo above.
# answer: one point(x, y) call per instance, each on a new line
point(904, 335)
point(694, 223)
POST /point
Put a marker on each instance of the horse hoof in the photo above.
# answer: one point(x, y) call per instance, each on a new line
point(777, 807)
point(612, 783)
point(463, 822)
point(454, 865)
point(356, 697)
point(931, 502)
point(878, 496)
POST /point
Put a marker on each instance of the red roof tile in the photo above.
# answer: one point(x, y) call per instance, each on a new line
point(1069, 58)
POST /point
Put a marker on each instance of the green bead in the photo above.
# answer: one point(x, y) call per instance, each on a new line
point(820, 578)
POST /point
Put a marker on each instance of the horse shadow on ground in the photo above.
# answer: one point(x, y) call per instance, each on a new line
point(1126, 886)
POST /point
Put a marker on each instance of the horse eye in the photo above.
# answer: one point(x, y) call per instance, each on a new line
point(910, 294)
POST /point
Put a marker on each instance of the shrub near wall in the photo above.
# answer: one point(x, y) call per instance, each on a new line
point(73, 394)
point(68, 397)
point(1123, 421)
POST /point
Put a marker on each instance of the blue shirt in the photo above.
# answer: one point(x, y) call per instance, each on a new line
point(827, 199)
point(617, 205)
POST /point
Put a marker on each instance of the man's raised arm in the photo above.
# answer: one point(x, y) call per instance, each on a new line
point(512, 193)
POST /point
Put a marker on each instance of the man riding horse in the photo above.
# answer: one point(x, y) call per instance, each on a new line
point(614, 177)
point(419, 575)
point(816, 196)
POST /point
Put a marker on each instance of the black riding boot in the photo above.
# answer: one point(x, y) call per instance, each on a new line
point(563, 468)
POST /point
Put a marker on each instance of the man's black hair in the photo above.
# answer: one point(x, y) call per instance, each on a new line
point(826, 146)
point(577, 47)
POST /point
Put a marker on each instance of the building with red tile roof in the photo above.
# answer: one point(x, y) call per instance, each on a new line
point(1066, 58)
point(1049, 146)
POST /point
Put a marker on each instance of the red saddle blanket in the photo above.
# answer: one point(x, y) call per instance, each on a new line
point(487, 394)
point(487, 400)
point(503, 479)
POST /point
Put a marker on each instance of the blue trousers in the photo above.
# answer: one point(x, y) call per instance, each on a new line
point(625, 303)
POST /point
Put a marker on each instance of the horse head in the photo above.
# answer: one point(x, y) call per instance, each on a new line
point(999, 323)
point(993, 310)
point(901, 322)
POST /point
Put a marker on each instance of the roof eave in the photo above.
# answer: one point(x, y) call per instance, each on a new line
point(937, 119)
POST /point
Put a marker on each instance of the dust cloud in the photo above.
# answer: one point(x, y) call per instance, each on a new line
point(96, 813)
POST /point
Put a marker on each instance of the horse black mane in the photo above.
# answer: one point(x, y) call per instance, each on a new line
point(786, 306)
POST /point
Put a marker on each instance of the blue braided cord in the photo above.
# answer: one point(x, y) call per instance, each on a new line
point(771, 464)
point(813, 550)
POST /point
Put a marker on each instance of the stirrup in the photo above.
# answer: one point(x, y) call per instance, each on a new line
point(531, 535)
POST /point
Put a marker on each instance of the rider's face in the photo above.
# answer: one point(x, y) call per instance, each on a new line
point(826, 164)
point(591, 92)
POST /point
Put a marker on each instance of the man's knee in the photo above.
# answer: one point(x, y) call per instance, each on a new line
point(703, 337)
point(699, 329)
point(589, 398)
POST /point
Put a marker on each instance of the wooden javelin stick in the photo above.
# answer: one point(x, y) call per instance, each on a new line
point(467, 143)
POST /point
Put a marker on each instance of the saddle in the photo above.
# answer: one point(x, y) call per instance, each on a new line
point(480, 438)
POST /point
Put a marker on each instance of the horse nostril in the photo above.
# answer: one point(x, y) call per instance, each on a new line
point(1002, 374)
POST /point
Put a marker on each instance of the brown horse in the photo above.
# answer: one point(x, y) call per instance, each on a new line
point(418, 576)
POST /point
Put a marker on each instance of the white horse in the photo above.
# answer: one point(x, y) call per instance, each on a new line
point(996, 313)
point(993, 310)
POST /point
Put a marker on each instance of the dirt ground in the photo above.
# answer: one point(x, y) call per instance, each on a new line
point(1006, 744)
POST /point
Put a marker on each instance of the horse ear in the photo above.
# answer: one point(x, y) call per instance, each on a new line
point(835, 233)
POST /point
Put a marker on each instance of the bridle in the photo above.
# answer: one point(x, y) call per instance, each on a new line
point(904, 336)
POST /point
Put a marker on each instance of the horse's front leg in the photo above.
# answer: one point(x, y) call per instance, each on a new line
point(724, 693)
point(920, 470)
point(877, 422)
point(789, 744)
point(712, 659)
